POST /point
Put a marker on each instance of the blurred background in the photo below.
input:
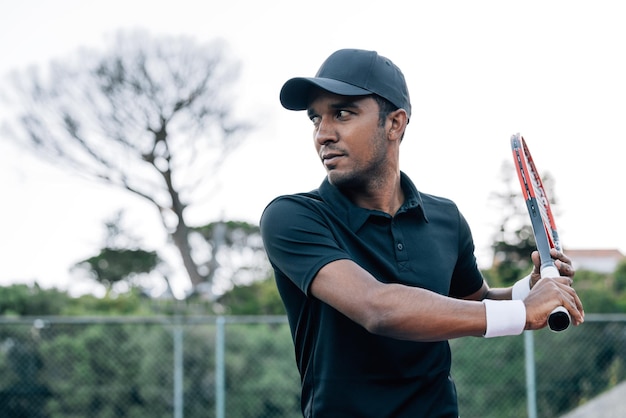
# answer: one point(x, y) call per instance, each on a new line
point(478, 72)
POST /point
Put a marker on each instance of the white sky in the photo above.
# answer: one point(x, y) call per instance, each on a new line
point(478, 72)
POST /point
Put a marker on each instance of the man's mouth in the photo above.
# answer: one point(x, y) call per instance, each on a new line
point(331, 158)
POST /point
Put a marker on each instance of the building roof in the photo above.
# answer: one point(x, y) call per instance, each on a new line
point(598, 260)
point(602, 253)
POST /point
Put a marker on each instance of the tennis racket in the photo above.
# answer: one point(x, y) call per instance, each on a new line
point(542, 220)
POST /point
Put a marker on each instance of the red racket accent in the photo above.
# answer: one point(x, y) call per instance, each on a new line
point(542, 220)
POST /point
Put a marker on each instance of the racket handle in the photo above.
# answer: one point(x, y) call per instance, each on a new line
point(559, 318)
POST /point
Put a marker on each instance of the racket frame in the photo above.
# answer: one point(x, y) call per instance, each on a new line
point(542, 220)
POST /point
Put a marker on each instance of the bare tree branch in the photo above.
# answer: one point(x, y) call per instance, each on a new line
point(153, 116)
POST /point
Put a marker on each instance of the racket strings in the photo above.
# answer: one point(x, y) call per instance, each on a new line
point(543, 205)
point(538, 197)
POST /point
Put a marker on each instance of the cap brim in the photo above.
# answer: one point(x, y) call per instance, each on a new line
point(296, 93)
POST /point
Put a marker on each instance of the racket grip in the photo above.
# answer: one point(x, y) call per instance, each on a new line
point(559, 318)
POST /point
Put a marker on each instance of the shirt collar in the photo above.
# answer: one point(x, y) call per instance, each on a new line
point(356, 216)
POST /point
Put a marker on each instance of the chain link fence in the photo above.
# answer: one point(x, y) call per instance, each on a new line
point(186, 367)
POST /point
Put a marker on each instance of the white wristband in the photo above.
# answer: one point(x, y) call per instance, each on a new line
point(521, 288)
point(504, 317)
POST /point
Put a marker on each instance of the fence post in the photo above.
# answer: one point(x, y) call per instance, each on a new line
point(220, 374)
point(178, 369)
point(531, 388)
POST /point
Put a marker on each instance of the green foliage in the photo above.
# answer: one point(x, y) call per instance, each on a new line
point(598, 292)
point(236, 232)
point(514, 258)
point(583, 369)
point(125, 369)
point(599, 301)
point(620, 276)
point(22, 299)
point(22, 392)
point(260, 362)
point(32, 300)
point(130, 303)
point(258, 298)
point(570, 368)
point(487, 376)
point(112, 265)
point(88, 381)
point(120, 259)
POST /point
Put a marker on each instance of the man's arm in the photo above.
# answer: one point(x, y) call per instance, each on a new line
point(396, 310)
point(562, 262)
point(569, 297)
point(416, 314)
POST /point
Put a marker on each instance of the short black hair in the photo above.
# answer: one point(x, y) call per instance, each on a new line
point(385, 107)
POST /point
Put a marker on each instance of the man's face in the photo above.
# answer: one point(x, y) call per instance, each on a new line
point(348, 138)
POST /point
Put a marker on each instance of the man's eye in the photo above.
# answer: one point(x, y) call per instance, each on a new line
point(341, 114)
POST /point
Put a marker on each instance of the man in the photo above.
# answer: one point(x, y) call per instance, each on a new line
point(376, 276)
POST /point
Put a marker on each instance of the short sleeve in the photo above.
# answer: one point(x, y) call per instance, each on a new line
point(466, 278)
point(298, 238)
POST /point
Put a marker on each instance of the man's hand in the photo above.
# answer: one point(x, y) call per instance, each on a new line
point(547, 294)
point(561, 261)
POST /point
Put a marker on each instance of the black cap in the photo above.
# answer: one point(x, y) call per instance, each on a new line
point(350, 72)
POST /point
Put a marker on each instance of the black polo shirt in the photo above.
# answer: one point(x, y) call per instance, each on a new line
point(345, 370)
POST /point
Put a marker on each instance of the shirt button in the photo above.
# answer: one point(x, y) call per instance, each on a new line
point(400, 246)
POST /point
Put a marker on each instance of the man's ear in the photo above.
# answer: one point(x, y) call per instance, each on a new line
point(398, 119)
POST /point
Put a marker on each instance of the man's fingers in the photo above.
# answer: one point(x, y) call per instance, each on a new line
point(562, 262)
point(559, 290)
point(565, 269)
point(571, 301)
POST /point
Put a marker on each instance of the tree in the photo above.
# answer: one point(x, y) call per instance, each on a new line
point(121, 259)
point(22, 299)
point(620, 276)
point(153, 116)
point(258, 298)
point(233, 254)
point(230, 253)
